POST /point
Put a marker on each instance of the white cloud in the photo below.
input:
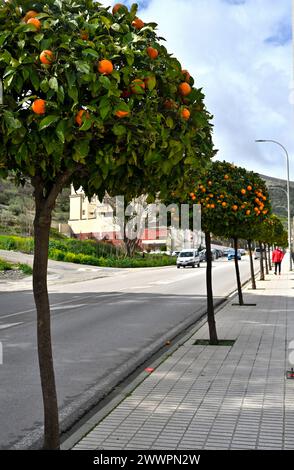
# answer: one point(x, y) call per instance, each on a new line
point(240, 53)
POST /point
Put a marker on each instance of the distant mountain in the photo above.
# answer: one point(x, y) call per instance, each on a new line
point(279, 197)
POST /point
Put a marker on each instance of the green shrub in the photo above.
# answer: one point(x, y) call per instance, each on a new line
point(4, 265)
point(25, 268)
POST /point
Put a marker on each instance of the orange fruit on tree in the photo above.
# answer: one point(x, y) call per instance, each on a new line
point(224, 204)
point(84, 35)
point(79, 116)
point(105, 67)
point(243, 191)
point(185, 113)
point(137, 23)
point(30, 14)
point(121, 114)
point(46, 57)
point(248, 212)
point(35, 22)
point(39, 106)
point(209, 183)
point(249, 188)
point(152, 52)
point(265, 212)
point(192, 194)
point(116, 7)
point(137, 82)
point(212, 206)
point(208, 206)
point(203, 189)
point(186, 74)
point(226, 177)
point(235, 207)
point(193, 198)
point(169, 104)
point(184, 89)
point(256, 209)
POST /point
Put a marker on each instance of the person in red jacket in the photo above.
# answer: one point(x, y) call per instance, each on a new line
point(277, 257)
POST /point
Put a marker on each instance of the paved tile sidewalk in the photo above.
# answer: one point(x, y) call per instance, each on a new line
point(216, 397)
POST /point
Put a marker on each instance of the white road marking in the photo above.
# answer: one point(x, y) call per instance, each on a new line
point(65, 307)
point(9, 325)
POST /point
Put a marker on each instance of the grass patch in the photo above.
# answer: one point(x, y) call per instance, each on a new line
point(221, 342)
point(5, 266)
point(24, 268)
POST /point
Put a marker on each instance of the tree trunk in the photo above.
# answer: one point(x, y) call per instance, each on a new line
point(240, 295)
point(265, 259)
point(251, 265)
point(210, 307)
point(269, 257)
point(261, 262)
point(42, 224)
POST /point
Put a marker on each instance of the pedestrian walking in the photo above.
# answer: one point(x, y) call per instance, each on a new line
point(277, 257)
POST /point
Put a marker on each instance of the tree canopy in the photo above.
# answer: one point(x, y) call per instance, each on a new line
point(94, 95)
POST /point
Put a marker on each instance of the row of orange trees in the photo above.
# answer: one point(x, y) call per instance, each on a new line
point(234, 204)
point(93, 98)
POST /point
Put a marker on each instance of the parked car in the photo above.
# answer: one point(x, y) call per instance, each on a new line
point(242, 251)
point(227, 251)
point(231, 255)
point(257, 253)
point(188, 257)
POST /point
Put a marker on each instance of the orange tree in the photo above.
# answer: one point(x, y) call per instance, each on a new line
point(92, 98)
point(232, 201)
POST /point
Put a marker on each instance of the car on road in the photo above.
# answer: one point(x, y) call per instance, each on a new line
point(242, 251)
point(231, 255)
point(188, 257)
point(256, 253)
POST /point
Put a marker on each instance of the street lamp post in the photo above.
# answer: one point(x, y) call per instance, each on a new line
point(288, 194)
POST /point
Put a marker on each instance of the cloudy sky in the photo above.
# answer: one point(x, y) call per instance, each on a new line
point(240, 52)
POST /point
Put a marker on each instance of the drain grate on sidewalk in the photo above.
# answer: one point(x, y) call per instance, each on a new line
point(221, 342)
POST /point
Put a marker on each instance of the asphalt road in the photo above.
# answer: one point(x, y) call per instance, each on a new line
point(102, 329)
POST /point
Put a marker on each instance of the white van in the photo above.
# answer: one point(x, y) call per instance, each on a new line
point(188, 257)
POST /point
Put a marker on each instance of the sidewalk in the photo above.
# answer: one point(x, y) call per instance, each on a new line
point(216, 397)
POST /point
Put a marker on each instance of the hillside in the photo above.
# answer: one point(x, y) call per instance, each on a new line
point(17, 205)
point(17, 208)
point(278, 197)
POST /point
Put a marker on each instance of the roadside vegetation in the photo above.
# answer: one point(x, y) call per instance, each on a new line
point(6, 266)
point(87, 252)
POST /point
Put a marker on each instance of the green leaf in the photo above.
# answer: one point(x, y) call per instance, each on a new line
point(60, 130)
point(11, 122)
point(47, 121)
point(70, 77)
point(104, 107)
point(21, 154)
point(73, 93)
point(169, 122)
point(119, 130)
point(105, 82)
point(106, 21)
point(34, 78)
point(53, 83)
point(82, 67)
point(44, 85)
point(90, 52)
point(81, 149)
